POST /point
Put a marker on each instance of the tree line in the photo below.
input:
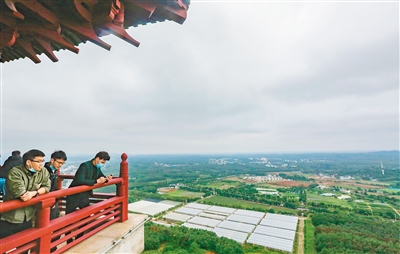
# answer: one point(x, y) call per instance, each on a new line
point(343, 233)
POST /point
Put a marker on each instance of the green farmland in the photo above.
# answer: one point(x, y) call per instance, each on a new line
point(223, 185)
point(183, 193)
point(312, 197)
point(248, 205)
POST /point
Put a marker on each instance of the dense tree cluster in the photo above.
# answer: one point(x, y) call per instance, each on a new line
point(295, 177)
point(342, 233)
point(182, 240)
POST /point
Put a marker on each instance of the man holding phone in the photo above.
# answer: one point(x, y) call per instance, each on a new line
point(88, 173)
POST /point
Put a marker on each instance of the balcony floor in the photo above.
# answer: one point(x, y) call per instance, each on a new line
point(118, 233)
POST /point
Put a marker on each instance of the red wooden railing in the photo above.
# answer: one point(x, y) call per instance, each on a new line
point(47, 233)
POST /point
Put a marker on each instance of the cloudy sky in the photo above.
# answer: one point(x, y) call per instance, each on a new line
point(236, 77)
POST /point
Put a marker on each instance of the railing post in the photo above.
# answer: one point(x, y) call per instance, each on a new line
point(123, 189)
point(42, 221)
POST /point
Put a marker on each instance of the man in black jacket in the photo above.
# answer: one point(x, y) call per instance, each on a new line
point(57, 159)
point(14, 160)
point(88, 173)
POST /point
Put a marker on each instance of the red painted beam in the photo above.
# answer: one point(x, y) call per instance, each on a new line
point(27, 48)
point(120, 32)
point(36, 7)
point(48, 34)
point(47, 49)
point(87, 33)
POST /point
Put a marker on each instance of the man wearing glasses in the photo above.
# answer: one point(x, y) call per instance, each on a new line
point(24, 182)
point(57, 159)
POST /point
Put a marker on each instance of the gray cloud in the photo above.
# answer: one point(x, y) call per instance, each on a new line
point(236, 77)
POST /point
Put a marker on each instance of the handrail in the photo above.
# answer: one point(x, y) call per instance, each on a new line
point(14, 204)
point(48, 233)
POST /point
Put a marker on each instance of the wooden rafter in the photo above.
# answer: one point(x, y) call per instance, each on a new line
point(30, 28)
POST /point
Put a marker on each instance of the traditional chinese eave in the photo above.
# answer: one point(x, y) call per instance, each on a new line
point(29, 28)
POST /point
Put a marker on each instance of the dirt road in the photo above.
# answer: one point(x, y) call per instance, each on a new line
point(300, 247)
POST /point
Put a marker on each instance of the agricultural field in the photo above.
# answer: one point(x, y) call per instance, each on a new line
point(204, 176)
point(360, 205)
point(287, 183)
point(268, 185)
point(222, 185)
point(184, 193)
point(168, 179)
point(309, 236)
point(374, 183)
point(235, 178)
point(233, 202)
point(248, 205)
point(311, 197)
point(290, 195)
point(394, 196)
point(393, 191)
point(351, 185)
point(380, 208)
point(280, 209)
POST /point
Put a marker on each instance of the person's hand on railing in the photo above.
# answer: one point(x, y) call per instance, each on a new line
point(28, 195)
point(101, 179)
point(109, 177)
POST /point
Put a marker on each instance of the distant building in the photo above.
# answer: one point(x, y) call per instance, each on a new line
point(212, 161)
point(217, 161)
point(346, 177)
point(266, 178)
point(269, 192)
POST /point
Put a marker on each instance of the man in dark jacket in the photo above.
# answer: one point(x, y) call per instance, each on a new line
point(88, 173)
point(57, 159)
point(12, 161)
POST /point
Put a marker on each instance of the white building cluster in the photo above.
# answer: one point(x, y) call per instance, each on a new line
point(217, 161)
point(266, 178)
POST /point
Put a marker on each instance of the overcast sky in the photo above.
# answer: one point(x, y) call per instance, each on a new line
point(236, 77)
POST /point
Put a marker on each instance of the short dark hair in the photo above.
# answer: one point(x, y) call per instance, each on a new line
point(59, 155)
point(31, 154)
point(16, 153)
point(102, 156)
